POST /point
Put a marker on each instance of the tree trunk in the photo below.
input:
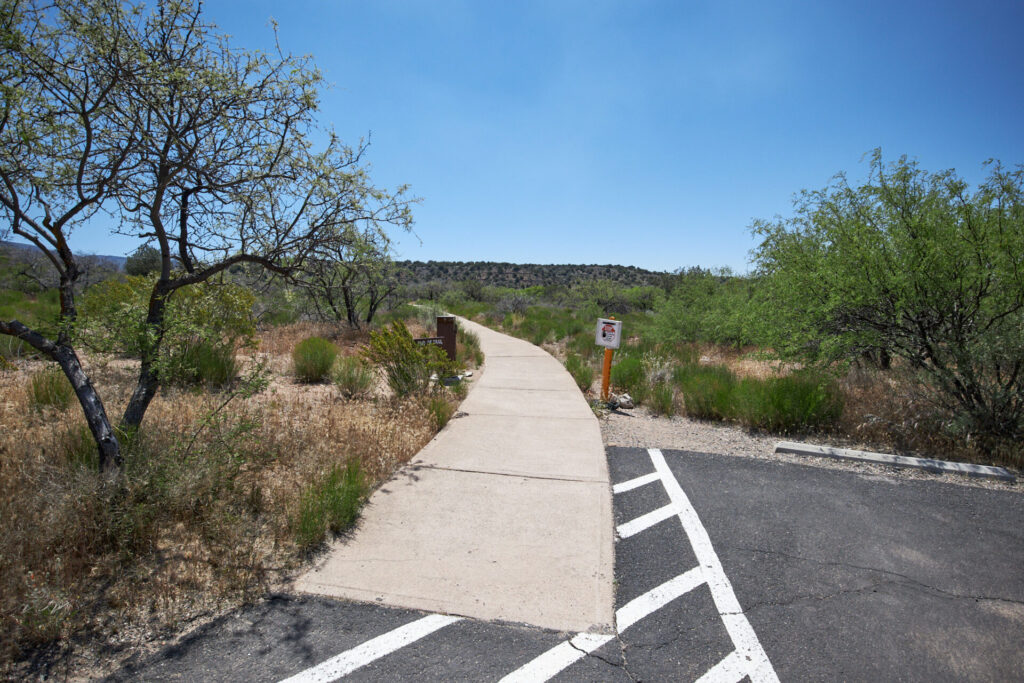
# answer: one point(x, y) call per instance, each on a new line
point(149, 379)
point(145, 390)
point(109, 448)
point(92, 406)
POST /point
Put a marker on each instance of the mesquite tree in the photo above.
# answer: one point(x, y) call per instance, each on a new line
point(204, 151)
point(915, 265)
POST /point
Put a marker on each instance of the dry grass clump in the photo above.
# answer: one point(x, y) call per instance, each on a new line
point(206, 517)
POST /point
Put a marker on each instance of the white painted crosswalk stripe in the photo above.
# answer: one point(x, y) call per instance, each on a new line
point(636, 483)
point(562, 656)
point(749, 649)
point(645, 522)
point(350, 660)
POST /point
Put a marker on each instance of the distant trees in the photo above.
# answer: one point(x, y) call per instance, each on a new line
point(204, 150)
point(914, 265)
point(143, 261)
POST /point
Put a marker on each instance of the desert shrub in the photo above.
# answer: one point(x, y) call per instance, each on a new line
point(707, 391)
point(441, 410)
point(407, 366)
point(514, 302)
point(112, 317)
point(580, 370)
point(202, 361)
point(50, 388)
point(798, 402)
point(468, 348)
point(313, 359)
point(662, 400)
point(629, 374)
point(353, 377)
point(330, 504)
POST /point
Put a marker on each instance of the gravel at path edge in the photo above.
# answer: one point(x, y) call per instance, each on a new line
point(637, 428)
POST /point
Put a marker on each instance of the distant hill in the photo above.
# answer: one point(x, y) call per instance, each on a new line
point(525, 274)
point(21, 251)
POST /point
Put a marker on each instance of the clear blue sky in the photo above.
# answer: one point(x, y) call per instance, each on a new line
point(638, 132)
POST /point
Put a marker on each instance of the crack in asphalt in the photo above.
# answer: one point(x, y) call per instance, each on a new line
point(907, 581)
point(615, 665)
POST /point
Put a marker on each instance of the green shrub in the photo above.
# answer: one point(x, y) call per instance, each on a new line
point(353, 377)
point(580, 370)
point(50, 388)
point(313, 359)
point(662, 399)
point(468, 349)
point(406, 365)
point(798, 402)
point(707, 391)
point(629, 375)
point(202, 361)
point(441, 410)
point(330, 505)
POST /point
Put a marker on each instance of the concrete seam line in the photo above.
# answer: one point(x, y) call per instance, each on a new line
point(929, 464)
point(759, 667)
point(440, 468)
point(372, 650)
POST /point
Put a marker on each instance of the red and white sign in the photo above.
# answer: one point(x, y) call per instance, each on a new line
point(609, 333)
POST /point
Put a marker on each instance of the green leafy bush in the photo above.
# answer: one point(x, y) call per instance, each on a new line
point(50, 388)
point(313, 359)
point(112, 317)
point(330, 505)
point(707, 391)
point(798, 402)
point(580, 370)
point(407, 366)
point(353, 377)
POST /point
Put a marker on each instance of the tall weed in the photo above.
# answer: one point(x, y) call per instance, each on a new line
point(581, 371)
point(330, 505)
point(707, 391)
point(353, 377)
point(50, 388)
point(799, 402)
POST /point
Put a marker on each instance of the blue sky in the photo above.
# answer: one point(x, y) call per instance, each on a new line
point(639, 132)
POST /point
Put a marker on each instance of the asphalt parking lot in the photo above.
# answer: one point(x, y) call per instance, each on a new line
point(727, 569)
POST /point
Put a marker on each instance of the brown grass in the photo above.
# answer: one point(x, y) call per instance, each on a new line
point(205, 519)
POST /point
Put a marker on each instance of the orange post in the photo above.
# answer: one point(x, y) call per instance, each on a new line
point(606, 373)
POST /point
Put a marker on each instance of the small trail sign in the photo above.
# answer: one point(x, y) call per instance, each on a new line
point(609, 333)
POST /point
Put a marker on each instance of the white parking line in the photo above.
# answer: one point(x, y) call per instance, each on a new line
point(729, 670)
point(636, 483)
point(644, 522)
point(562, 656)
point(350, 660)
point(557, 659)
point(748, 648)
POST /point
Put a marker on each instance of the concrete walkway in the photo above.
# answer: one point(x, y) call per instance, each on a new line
point(506, 515)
